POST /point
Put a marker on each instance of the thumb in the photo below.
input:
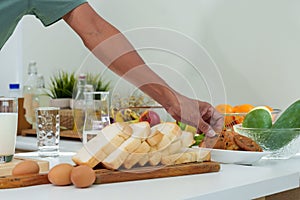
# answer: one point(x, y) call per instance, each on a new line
point(210, 133)
point(206, 128)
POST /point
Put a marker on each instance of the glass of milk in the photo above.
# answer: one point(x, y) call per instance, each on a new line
point(8, 128)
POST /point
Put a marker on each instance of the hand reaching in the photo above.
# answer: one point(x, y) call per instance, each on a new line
point(201, 115)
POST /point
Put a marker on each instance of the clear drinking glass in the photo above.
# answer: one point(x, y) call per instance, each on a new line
point(48, 131)
point(8, 128)
point(96, 114)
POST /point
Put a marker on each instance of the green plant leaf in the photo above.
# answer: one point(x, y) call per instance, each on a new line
point(98, 82)
point(61, 85)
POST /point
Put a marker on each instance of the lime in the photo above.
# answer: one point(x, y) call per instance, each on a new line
point(190, 129)
point(186, 127)
point(198, 139)
point(181, 125)
point(258, 117)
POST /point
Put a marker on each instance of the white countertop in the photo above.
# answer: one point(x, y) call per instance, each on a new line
point(29, 143)
point(232, 182)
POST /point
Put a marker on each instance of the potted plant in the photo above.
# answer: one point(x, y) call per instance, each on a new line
point(63, 86)
point(61, 89)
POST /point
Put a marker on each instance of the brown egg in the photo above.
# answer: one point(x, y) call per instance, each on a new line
point(60, 174)
point(26, 167)
point(83, 176)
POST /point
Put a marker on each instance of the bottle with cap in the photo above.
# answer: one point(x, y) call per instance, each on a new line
point(79, 104)
point(91, 121)
point(14, 90)
point(40, 97)
point(29, 90)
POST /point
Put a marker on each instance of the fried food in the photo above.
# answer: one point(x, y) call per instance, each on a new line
point(230, 140)
point(246, 143)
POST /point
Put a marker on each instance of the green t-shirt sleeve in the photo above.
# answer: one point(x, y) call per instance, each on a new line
point(50, 11)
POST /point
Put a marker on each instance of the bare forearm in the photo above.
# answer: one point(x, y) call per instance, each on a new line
point(114, 50)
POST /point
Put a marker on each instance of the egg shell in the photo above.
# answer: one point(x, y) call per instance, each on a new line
point(83, 176)
point(60, 174)
point(26, 167)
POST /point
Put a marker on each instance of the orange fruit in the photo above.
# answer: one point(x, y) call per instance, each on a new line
point(226, 108)
point(244, 108)
point(235, 108)
point(239, 119)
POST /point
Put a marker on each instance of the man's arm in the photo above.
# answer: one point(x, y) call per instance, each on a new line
point(114, 50)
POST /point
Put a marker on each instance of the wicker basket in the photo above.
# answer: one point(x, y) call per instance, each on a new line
point(66, 119)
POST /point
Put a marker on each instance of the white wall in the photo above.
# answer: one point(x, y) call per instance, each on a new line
point(254, 43)
point(256, 46)
point(11, 61)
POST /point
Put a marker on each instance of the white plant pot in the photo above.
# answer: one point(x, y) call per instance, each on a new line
point(61, 103)
point(71, 103)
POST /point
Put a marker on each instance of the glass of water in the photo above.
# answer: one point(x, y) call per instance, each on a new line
point(48, 131)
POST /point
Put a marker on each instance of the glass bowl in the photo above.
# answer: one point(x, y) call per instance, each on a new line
point(232, 119)
point(281, 143)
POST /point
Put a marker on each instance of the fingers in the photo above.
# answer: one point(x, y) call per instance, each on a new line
point(217, 121)
point(211, 133)
point(219, 124)
point(212, 121)
point(198, 114)
point(206, 128)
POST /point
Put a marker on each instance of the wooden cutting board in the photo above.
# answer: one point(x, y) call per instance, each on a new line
point(151, 172)
point(6, 168)
point(109, 176)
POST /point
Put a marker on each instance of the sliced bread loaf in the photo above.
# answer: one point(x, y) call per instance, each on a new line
point(163, 135)
point(141, 131)
point(186, 155)
point(107, 141)
point(137, 155)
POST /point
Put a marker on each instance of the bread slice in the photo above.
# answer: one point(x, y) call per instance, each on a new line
point(161, 137)
point(154, 138)
point(144, 160)
point(172, 148)
point(186, 156)
point(187, 139)
point(154, 157)
point(170, 131)
point(98, 148)
point(141, 131)
point(137, 155)
point(116, 158)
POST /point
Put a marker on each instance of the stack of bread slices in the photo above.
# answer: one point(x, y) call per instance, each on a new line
point(122, 145)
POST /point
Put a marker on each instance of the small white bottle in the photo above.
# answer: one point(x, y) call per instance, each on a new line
point(29, 90)
point(14, 90)
point(40, 97)
point(78, 104)
point(90, 120)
